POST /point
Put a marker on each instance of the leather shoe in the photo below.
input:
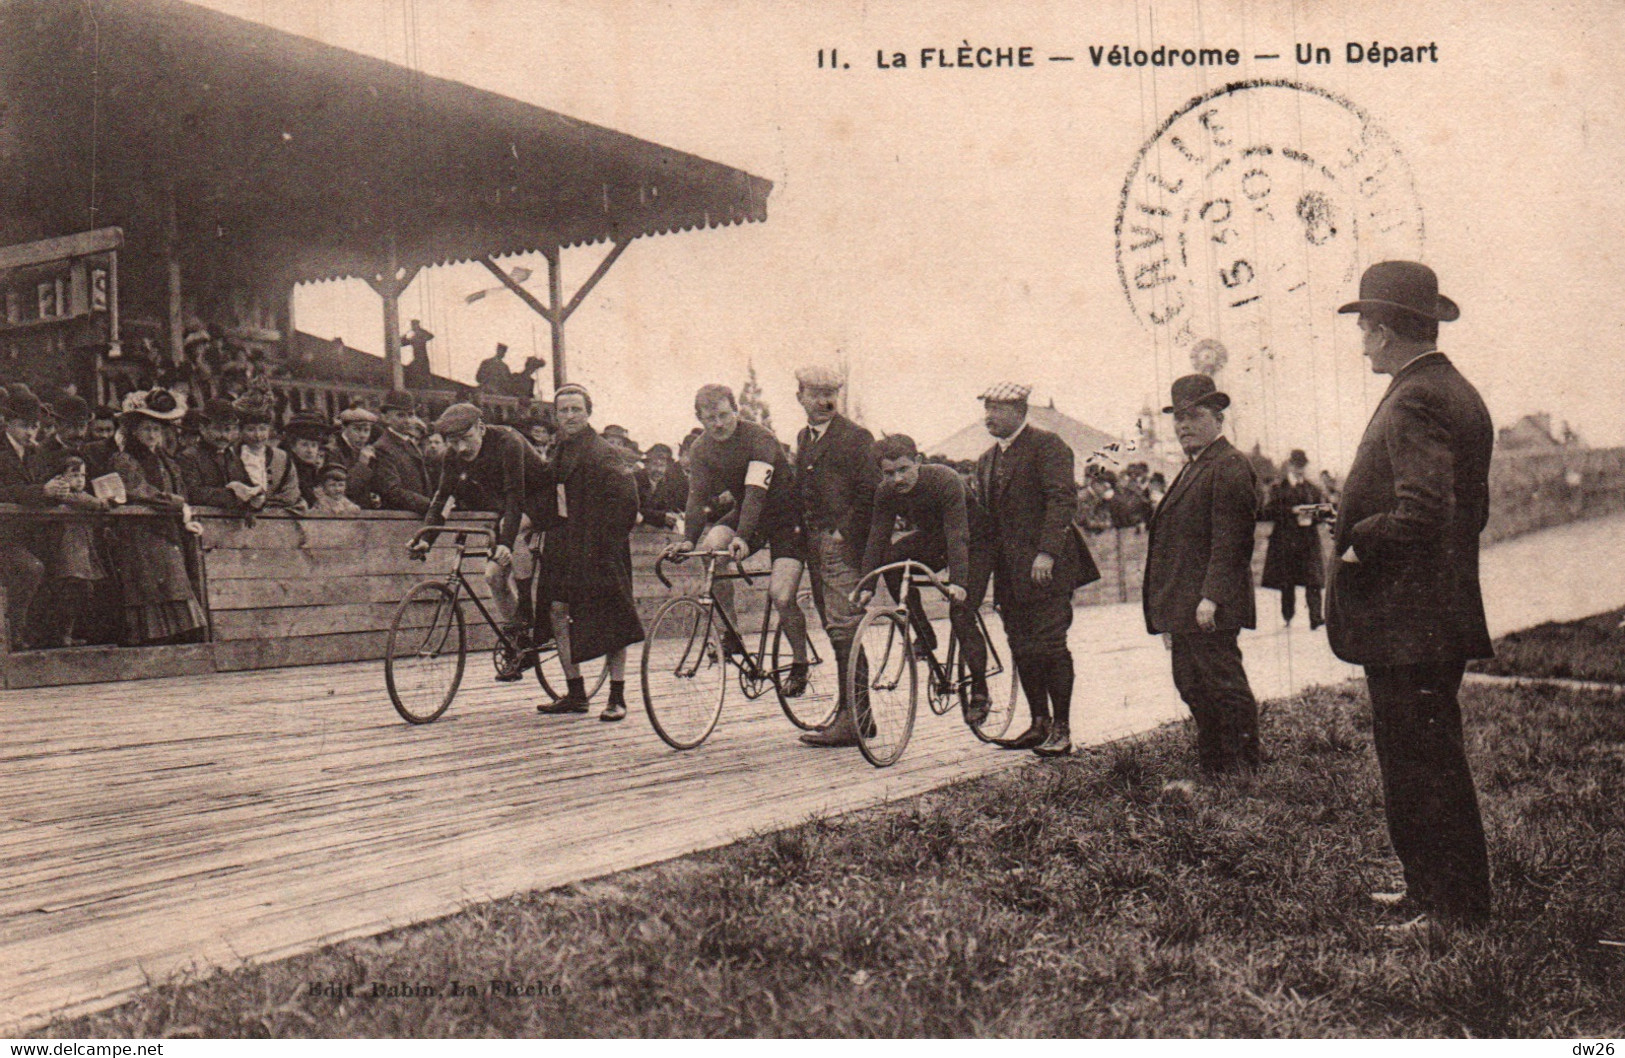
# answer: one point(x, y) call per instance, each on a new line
point(977, 706)
point(570, 703)
point(1059, 743)
point(1413, 927)
point(613, 711)
point(840, 733)
point(1031, 738)
point(795, 681)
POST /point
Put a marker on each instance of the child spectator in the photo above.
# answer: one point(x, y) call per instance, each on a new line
point(333, 481)
point(75, 568)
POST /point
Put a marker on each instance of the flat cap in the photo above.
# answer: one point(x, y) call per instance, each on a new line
point(457, 420)
point(1007, 392)
point(819, 376)
point(352, 415)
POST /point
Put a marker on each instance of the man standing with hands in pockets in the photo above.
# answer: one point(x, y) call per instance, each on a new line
point(1405, 599)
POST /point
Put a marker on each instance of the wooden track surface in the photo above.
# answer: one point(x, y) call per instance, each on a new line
point(181, 824)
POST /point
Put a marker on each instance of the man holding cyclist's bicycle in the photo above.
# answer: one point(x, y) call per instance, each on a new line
point(920, 514)
point(741, 498)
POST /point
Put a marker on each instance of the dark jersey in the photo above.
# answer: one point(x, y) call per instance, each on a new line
point(934, 508)
point(751, 458)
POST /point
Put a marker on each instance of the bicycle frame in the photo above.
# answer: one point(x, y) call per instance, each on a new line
point(943, 682)
point(752, 666)
point(458, 579)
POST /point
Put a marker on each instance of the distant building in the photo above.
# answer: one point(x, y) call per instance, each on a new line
point(1534, 433)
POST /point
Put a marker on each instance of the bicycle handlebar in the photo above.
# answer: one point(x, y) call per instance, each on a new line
point(705, 556)
point(910, 568)
point(425, 537)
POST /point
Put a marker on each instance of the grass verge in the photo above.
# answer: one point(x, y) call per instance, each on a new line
point(1592, 648)
point(1075, 898)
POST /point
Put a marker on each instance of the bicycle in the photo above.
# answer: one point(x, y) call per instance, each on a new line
point(884, 658)
point(690, 645)
point(427, 649)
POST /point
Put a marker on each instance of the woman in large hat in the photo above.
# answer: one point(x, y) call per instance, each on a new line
point(159, 603)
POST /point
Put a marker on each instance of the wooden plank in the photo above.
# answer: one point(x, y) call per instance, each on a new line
point(303, 591)
point(371, 529)
point(105, 664)
point(243, 564)
point(320, 650)
point(281, 621)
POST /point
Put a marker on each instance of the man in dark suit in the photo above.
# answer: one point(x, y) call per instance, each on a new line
point(835, 481)
point(24, 548)
point(1027, 484)
point(211, 465)
point(1198, 577)
point(400, 475)
point(1405, 599)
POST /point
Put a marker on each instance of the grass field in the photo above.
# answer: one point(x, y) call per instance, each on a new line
point(1592, 648)
point(1071, 898)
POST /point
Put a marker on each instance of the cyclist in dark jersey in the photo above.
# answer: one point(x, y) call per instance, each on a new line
point(741, 498)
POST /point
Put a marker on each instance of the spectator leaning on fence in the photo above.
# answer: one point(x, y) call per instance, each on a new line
point(272, 483)
point(355, 452)
point(400, 473)
point(24, 547)
point(159, 604)
point(306, 437)
point(211, 466)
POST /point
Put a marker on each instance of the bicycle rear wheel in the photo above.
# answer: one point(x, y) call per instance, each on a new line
point(1003, 689)
point(685, 673)
point(425, 652)
point(882, 686)
point(815, 707)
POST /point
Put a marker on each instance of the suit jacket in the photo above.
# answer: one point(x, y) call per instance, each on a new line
point(400, 476)
point(836, 478)
point(22, 481)
point(1031, 497)
point(1413, 505)
point(1294, 556)
point(1201, 544)
point(205, 470)
point(667, 497)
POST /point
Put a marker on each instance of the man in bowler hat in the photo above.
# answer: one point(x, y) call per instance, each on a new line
point(1198, 577)
point(1294, 555)
point(1027, 483)
point(1404, 598)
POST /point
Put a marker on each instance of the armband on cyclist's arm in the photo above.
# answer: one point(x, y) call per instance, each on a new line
point(758, 479)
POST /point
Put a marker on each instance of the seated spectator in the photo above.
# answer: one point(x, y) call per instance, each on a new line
point(354, 450)
point(75, 567)
point(401, 477)
point(159, 604)
point(305, 438)
point(332, 486)
point(662, 489)
point(268, 471)
point(24, 548)
point(211, 468)
point(103, 425)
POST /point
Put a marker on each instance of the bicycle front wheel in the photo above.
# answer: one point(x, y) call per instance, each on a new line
point(882, 686)
point(685, 673)
point(550, 674)
point(425, 652)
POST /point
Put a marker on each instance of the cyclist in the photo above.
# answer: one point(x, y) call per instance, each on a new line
point(920, 514)
point(741, 498)
point(495, 469)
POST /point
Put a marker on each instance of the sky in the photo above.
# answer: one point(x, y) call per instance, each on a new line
point(945, 228)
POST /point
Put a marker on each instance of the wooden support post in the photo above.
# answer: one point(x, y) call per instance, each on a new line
point(392, 319)
point(555, 298)
point(177, 325)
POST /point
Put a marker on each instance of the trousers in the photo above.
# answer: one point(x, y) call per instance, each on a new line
point(1212, 681)
point(1427, 787)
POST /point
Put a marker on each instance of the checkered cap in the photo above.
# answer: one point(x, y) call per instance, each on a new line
point(819, 376)
point(1010, 392)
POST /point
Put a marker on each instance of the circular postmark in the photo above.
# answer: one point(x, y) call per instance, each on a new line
point(1255, 205)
